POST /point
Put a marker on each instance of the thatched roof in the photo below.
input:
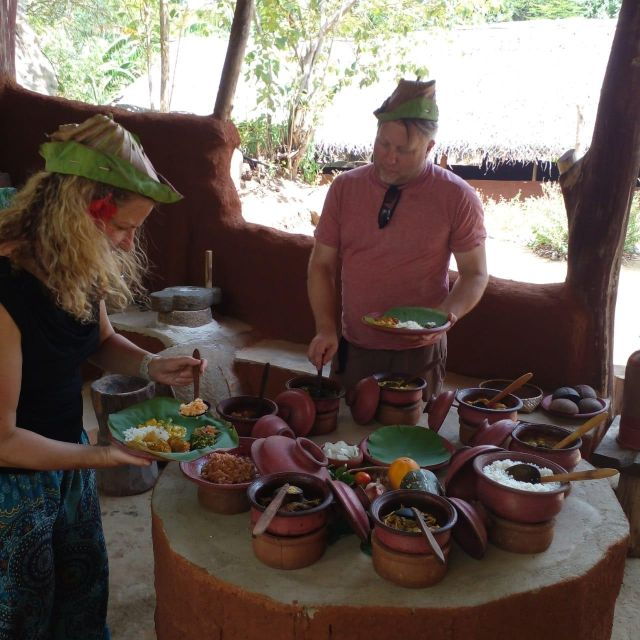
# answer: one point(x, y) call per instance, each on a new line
point(508, 92)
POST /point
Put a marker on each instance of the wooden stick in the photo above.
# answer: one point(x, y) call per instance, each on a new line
point(208, 268)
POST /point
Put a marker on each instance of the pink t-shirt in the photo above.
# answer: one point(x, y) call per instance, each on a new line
point(407, 262)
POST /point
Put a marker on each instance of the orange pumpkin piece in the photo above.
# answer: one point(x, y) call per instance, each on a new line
point(398, 469)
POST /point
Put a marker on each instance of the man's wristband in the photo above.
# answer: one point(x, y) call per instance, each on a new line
point(143, 372)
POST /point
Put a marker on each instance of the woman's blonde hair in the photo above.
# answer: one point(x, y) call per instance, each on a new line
point(50, 223)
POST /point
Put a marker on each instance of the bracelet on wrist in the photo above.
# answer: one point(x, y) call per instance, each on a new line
point(143, 372)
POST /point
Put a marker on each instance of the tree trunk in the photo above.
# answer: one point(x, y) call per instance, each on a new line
point(233, 60)
point(598, 191)
point(8, 9)
point(164, 57)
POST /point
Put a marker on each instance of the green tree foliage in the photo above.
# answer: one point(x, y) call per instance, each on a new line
point(304, 51)
point(97, 47)
point(555, 9)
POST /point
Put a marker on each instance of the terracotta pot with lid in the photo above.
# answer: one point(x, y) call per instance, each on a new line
point(538, 439)
point(275, 454)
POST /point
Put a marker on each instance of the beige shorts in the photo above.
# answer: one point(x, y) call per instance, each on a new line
point(426, 362)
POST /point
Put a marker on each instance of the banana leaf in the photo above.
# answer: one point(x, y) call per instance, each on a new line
point(418, 443)
point(163, 408)
point(421, 315)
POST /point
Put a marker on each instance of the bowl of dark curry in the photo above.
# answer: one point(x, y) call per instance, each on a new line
point(539, 439)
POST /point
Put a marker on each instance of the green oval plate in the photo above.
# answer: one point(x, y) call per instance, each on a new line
point(163, 408)
point(424, 446)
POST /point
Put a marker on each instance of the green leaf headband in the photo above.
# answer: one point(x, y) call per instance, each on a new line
point(420, 108)
point(74, 158)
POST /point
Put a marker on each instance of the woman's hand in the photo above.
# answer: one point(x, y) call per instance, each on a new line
point(175, 371)
point(115, 456)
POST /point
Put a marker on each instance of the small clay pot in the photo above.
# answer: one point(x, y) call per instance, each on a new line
point(407, 569)
point(271, 426)
point(399, 414)
point(291, 523)
point(286, 552)
point(519, 537)
point(323, 405)
point(227, 499)
point(472, 414)
point(467, 431)
point(324, 423)
point(497, 433)
point(567, 457)
point(518, 505)
point(405, 541)
point(257, 406)
point(401, 396)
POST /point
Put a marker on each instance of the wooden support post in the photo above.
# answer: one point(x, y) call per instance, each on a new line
point(8, 9)
point(233, 60)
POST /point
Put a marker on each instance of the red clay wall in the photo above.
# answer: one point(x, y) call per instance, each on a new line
point(262, 272)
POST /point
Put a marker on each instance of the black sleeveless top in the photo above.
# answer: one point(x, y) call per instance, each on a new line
point(54, 345)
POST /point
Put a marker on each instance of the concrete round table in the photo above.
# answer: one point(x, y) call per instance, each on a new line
point(210, 586)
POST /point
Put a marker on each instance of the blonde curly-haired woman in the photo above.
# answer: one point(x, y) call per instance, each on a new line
point(67, 250)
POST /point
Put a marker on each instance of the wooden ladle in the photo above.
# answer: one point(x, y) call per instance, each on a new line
point(513, 386)
point(285, 491)
point(528, 473)
point(414, 514)
point(196, 387)
point(580, 431)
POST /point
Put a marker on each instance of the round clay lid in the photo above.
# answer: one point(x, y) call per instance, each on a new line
point(495, 433)
point(469, 531)
point(438, 407)
point(352, 508)
point(366, 396)
point(297, 409)
point(461, 459)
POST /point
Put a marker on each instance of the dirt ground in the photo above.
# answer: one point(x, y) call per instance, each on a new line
point(293, 207)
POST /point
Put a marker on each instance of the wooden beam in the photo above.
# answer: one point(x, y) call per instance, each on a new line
point(597, 192)
point(8, 9)
point(233, 60)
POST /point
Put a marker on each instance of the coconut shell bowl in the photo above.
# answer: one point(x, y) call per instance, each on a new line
point(222, 497)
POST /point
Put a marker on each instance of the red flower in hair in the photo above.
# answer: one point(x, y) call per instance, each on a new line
point(103, 208)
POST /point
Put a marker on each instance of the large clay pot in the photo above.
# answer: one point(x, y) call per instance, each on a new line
point(405, 541)
point(401, 396)
point(232, 409)
point(567, 457)
point(309, 384)
point(473, 414)
point(291, 523)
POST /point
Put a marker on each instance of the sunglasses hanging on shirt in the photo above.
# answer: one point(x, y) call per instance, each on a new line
point(389, 204)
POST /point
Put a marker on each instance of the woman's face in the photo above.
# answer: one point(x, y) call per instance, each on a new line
point(131, 213)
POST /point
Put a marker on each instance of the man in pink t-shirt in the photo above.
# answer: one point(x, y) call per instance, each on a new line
point(392, 226)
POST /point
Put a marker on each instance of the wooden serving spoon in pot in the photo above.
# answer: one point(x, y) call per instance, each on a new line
point(286, 491)
point(415, 514)
point(528, 473)
point(513, 386)
point(580, 431)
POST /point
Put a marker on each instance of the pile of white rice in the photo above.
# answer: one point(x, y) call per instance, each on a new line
point(340, 450)
point(498, 471)
point(139, 434)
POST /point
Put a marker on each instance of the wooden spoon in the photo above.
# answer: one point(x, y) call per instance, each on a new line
point(319, 380)
point(269, 513)
point(263, 382)
point(580, 431)
point(196, 375)
point(516, 384)
point(528, 473)
point(413, 513)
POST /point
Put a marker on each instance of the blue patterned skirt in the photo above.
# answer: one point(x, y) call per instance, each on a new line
point(53, 559)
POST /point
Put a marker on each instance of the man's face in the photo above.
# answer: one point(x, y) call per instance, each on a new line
point(399, 153)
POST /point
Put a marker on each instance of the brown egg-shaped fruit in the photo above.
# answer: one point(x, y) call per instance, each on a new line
point(586, 391)
point(568, 393)
point(589, 405)
point(563, 405)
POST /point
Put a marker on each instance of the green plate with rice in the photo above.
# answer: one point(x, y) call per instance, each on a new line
point(168, 409)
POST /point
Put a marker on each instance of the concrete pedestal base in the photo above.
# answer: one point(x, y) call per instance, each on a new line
point(210, 585)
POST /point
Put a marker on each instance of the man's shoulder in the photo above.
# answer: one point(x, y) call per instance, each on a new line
point(353, 176)
point(451, 183)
